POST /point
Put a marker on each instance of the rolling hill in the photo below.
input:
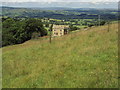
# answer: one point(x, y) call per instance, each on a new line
point(59, 13)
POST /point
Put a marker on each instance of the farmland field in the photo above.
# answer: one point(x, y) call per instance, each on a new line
point(83, 59)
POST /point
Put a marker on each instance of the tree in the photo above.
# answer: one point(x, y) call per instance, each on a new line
point(13, 32)
point(102, 23)
point(90, 25)
point(19, 31)
point(73, 28)
point(34, 25)
point(47, 25)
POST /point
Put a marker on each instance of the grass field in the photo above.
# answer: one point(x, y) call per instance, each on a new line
point(83, 59)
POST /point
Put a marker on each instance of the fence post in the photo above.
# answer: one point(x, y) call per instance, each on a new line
point(108, 26)
point(51, 33)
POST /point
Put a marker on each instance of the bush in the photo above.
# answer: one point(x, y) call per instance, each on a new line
point(90, 25)
point(73, 28)
point(47, 25)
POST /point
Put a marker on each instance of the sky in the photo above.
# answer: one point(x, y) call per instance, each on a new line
point(59, 1)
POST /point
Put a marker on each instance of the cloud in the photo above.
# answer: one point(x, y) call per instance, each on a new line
point(28, 0)
point(59, 0)
point(89, 0)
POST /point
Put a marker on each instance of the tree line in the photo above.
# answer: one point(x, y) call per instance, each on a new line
point(16, 31)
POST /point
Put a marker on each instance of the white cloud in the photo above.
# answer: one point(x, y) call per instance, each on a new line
point(28, 0)
point(59, 1)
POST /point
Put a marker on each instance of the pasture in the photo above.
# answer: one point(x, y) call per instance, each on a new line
point(83, 59)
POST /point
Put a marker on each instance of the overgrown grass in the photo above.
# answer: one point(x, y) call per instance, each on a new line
point(84, 59)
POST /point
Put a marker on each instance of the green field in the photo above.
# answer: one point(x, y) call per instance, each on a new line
point(83, 59)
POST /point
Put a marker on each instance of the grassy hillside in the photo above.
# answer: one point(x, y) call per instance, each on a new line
point(81, 59)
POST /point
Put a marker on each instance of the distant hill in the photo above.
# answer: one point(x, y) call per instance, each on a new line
point(59, 12)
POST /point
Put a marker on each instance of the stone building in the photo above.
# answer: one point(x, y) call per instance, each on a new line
point(59, 30)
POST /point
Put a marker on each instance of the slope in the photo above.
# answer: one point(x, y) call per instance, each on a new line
point(84, 59)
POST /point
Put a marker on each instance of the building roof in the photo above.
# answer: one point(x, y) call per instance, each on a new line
point(60, 26)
